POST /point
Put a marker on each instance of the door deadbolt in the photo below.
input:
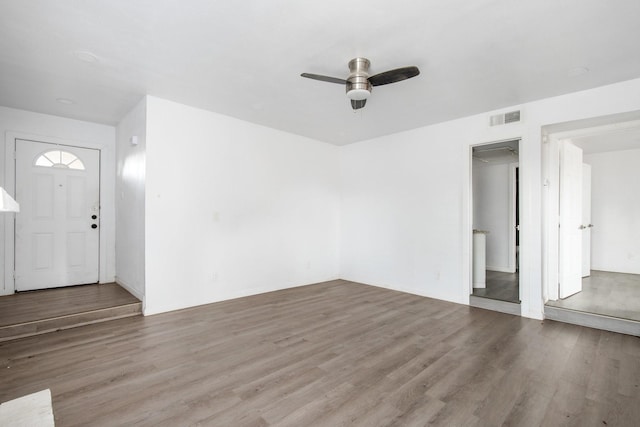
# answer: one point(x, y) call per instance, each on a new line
point(94, 216)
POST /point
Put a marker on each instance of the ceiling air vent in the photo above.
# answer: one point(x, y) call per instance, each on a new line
point(504, 118)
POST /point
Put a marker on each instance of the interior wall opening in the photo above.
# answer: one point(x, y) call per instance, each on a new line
point(495, 222)
point(592, 248)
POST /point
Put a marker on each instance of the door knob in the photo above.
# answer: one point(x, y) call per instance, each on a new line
point(590, 225)
point(582, 227)
point(94, 225)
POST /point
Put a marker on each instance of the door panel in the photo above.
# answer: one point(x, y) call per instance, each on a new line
point(42, 251)
point(58, 190)
point(76, 185)
point(570, 219)
point(76, 250)
point(43, 197)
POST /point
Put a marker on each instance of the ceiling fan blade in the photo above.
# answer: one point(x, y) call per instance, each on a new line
point(324, 78)
point(356, 104)
point(394, 76)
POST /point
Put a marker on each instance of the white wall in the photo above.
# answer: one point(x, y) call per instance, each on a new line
point(234, 208)
point(41, 127)
point(405, 218)
point(130, 200)
point(406, 211)
point(492, 212)
point(401, 213)
point(615, 211)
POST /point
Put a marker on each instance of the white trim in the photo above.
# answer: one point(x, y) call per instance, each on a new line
point(530, 250)
point(597, 130)
point(467, 215)
point(512, 267)
point(106, 215)
point(467, 225)
point(9, 225)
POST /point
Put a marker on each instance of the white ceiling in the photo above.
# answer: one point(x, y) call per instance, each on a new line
point(244, 58)
point(609, 138)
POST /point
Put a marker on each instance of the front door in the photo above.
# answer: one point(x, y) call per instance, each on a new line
point(57, 229)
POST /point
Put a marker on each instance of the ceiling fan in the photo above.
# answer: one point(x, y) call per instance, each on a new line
point(359, 84)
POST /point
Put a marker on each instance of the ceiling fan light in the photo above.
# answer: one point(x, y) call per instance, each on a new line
point(358, 94)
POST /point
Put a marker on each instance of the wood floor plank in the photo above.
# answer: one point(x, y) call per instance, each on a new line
point(336, 353)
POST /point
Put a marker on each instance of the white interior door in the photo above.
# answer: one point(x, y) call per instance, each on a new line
point(57, 230)
point(570, 236)
point(586, 220)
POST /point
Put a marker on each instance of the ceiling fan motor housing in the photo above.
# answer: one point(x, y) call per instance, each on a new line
point(358, 86)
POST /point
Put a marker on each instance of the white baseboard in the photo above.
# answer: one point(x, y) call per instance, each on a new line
point(229, 296)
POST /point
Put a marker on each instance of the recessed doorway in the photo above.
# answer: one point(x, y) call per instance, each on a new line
point(592, 254)
point(496, 218)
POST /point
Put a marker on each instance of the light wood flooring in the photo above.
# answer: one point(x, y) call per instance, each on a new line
point(606, 293)
point(331, 354)
point(500, 286)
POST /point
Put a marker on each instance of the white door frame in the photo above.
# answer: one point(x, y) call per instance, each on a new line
point(586, 220)
point(512, 214)
point(10, 183)
point(512, 235)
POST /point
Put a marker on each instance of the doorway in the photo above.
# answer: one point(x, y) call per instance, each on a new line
point(496, 218)
point(57, 239)
point(594, 267)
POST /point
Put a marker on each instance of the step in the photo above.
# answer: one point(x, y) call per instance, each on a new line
point(592, 320)
point(43, 326)
point(495, 305)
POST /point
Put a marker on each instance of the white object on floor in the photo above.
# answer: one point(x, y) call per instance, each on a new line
point(27, 411)
point(7, 204)
point(479, 258)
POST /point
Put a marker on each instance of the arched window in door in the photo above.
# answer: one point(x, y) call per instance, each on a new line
point(59, 159)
